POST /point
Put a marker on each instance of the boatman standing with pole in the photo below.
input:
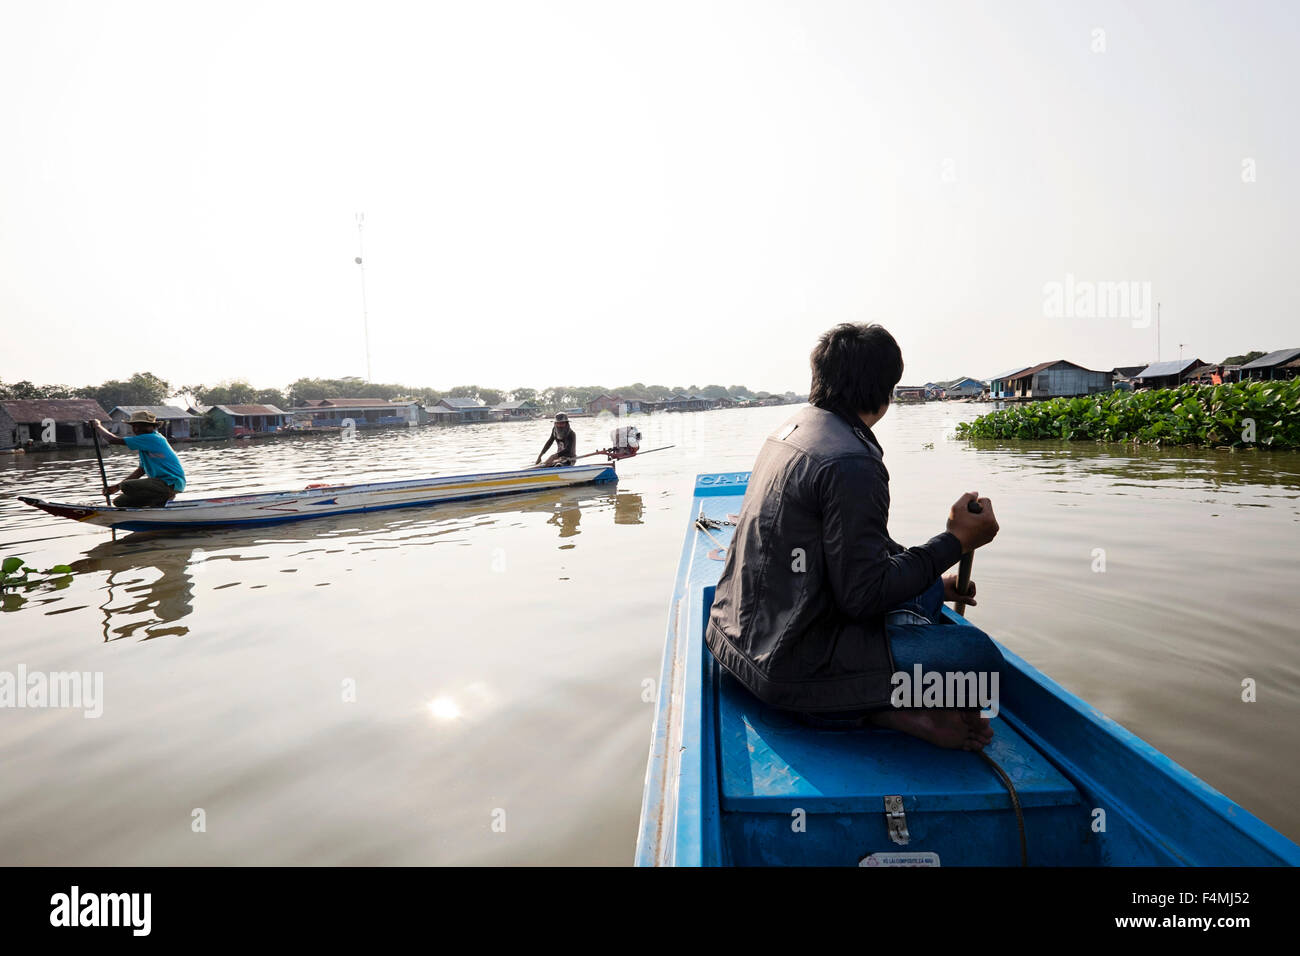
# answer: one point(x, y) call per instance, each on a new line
point(565, 441)
point(160, 475)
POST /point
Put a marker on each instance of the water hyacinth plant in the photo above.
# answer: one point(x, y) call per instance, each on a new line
point(14, 571)
point(1253, 414)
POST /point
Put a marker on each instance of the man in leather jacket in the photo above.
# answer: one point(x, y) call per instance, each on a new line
point(801, 611)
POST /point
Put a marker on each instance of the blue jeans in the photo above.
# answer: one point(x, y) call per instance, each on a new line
point(919, 634)
point(922, 609)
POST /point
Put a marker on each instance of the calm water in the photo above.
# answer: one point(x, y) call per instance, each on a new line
point(497, 650)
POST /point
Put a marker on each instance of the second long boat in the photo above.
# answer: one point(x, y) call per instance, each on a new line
point(319, 501)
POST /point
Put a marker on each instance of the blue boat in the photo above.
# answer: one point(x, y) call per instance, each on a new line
point(733, 782)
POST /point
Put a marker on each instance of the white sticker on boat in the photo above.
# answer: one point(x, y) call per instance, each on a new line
point(900, 859)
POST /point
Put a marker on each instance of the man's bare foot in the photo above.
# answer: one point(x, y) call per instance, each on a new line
point(980, 727)
point(944, 728)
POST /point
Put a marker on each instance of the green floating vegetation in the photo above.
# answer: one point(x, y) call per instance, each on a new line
point(1251, 414)
point(14, 571)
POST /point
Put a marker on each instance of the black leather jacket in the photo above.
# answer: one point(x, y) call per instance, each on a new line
point(798, 616)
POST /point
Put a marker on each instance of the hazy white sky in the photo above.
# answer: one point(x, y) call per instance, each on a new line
point(680, 193)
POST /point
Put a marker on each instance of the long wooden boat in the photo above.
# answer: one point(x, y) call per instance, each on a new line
point(320, 501)
point(733, 782)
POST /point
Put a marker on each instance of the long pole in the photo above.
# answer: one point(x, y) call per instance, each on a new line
point(103, 475)
point(606, 451)
point(365, 312)
point(1157, 331)
point(966, 563)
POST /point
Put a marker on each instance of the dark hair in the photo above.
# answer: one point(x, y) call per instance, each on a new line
point(855, 368)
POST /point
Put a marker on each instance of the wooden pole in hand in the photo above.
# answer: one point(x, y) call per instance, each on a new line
point(103, 475)
point(967, 561)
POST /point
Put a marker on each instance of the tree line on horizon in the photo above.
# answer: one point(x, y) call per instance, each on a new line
point(145, 388)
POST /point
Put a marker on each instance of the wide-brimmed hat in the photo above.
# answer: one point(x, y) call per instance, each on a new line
point(142, 418)
point(561, 417)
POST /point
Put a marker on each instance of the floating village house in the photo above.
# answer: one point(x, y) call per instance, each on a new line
point(238, 421)
point(675, 403)
point(519, 411)
point(1169, 374)
point(58, 421)
point(1284, 363)
point(1123, 375)
point(1058, 379)
point(689, 403)
point(908, 394)
point(963, 388)
point(1213, 374)
point(459, 411)
point(176, 424)
point(364, 412)
point(615, 404)
point(1000, 385)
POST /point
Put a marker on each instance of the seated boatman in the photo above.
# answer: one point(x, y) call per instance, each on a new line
point(817, 606)
point(160, 475)
point(566, 443)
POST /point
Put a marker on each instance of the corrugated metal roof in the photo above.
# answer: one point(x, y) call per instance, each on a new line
point(1280, 357)
point(1008, 374)
point(158, 411)
point(461, 403)
point(250, 409)
point(27, 410)
point(1171, 367)
point(351, 403)
point(345, 405)
point(1042, 366)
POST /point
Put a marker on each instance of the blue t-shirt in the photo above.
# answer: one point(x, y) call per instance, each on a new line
point(157, 458)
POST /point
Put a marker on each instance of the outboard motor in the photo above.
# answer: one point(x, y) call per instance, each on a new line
point(624, 442)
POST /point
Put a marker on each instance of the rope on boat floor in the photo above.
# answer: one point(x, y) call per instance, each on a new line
point(1015, 803)
point(720, 545)
point(703, 523)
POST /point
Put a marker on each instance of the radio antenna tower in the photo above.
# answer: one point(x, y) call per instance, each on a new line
point(365, 312)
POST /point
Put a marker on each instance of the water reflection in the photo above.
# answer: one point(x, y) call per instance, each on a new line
point(629, 508)
point(141, 604)
point(1135, 466)
point(150, 579)
point(566, 518)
